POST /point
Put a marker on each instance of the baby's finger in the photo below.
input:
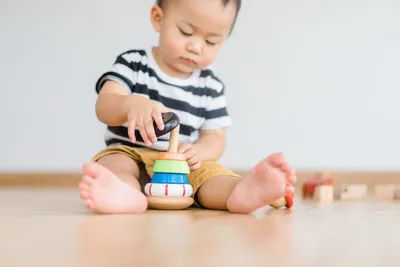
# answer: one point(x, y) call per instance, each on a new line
point(195, 166)
point(143, 132)
point(156, 114)
point(131, 130)
point(193, 160)
point(182, 148)
point(190, 153)
point(165, 109)
point(150, 129)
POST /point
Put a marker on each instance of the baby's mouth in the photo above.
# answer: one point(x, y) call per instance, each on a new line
point(189, 61)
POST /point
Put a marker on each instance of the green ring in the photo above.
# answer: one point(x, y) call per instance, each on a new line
point(170, 166)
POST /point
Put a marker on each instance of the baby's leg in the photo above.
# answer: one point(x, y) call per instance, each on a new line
point(269, 180)
point(111, 185)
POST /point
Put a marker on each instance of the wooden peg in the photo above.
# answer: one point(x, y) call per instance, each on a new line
point(174, 137)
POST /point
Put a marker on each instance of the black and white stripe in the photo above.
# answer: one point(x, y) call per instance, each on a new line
point(199, 101)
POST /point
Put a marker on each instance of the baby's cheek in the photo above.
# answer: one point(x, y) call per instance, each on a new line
point(205, 61)
point(175, 47)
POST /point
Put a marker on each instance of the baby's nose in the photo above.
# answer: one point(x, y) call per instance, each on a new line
point(195, 47)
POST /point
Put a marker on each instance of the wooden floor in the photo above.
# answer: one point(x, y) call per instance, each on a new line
point(50, 227)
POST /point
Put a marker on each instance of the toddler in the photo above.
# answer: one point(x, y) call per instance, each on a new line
point(175, 76)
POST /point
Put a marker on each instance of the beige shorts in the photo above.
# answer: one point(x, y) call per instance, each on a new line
point(196, 178)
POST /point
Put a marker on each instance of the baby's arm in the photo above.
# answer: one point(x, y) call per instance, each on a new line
point(111, 104)
point(115, 106)
point(211, 144)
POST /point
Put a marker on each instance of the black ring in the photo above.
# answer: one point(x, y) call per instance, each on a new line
point(171, 121)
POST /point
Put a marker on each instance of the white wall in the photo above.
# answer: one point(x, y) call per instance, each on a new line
point(319, 80)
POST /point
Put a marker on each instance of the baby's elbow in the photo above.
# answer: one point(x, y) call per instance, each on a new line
point(99, 110)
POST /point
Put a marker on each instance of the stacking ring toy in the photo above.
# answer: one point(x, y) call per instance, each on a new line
point(169, 188)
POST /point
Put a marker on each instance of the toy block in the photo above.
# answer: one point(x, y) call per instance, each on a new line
point(324, 193)
point(353, 191)
point(384, 191)
point(309, 186)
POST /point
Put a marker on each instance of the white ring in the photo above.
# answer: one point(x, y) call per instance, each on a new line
point(168, 190)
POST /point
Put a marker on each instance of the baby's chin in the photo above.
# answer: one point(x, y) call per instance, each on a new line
point(185, 70)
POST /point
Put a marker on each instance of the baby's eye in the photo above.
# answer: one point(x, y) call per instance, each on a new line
point(210, 43)
point(184, 33)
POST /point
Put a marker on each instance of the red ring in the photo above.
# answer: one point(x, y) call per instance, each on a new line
point(289, 200)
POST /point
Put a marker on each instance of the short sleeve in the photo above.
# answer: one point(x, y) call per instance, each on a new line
point(124, 71)
point(216, 110)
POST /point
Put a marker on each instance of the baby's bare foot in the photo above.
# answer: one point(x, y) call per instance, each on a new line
point(269, 180)
point(103, 192)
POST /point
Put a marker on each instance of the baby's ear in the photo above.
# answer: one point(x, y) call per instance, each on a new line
point(156, 17)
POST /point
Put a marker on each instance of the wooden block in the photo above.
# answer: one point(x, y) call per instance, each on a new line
point(384, 191)
point(353, 191)
point(324, 193)
point(311, 184)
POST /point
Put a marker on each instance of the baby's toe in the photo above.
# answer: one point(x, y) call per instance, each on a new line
point(285, 167)
point(276, 159)
point(289, 190)
point(87, 180)
point(89, 203)
point(83, 186)
point(84, 194)
point(291, 179)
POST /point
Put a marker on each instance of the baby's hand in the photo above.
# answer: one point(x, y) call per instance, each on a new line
point(141, 112)
point(191, 155)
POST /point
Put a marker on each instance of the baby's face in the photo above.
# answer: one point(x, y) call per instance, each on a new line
point(192, 32)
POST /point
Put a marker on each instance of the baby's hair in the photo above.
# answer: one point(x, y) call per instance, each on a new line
point(238, 3)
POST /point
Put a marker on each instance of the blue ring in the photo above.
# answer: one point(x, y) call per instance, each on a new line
point(169, 178)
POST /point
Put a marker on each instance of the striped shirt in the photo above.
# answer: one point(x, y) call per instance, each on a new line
point(198, 100)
